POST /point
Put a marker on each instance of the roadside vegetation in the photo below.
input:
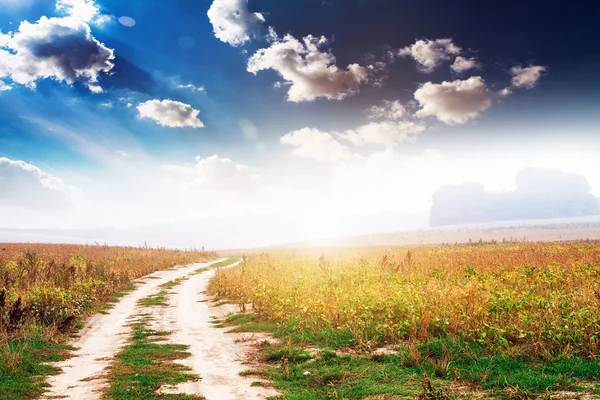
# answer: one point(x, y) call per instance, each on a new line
point(47, 291)
point(498, 320)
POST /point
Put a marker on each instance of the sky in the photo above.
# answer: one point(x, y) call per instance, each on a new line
point(124, 114)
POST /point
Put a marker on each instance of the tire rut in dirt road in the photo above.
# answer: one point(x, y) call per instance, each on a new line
point(217, 356)
point(83, 375)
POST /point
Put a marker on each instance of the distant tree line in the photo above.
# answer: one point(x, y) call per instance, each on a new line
point(539, 194)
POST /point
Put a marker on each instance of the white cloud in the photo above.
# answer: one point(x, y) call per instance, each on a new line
point(102, 19)
point(462, 64)
point(317, 145)
point(217, 173)
point(58, 48)
point(26, 186)
point(172, 114)
point(126, 101)
point(429, 54)
point(4, 87)
point(271, 35)
point(455, 102)
point(193, 87)
point(83, 10)
point(324, 147)
point(378, 73)
point(505, 92)
point(389, 110)
point(310, 72)
point(386, 133)
point(122, 153)
point(95, 89)
point(233, 23)
point(526, 77)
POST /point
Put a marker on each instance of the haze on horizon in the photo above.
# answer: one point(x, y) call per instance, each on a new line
point(266, 115)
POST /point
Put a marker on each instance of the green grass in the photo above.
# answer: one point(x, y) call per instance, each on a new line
point(172, 284)
point(535, 375)
point(325, 338)
point(301, 377)
point(420, 370)
point(115, 297)
point(176, 282)
point(200, 271)
point(23, 369)
point(245, 322)
point(224, 263)
point(145, 365)
point(250, 372)
point(158, 300)
point(256, 327)
point(220, 264)
point(328, 375)
point(240, 319)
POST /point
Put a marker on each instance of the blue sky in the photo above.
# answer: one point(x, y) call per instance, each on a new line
point(129, 113)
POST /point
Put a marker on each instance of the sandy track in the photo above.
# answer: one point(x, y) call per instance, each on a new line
point(218, 357)
point(82, 376)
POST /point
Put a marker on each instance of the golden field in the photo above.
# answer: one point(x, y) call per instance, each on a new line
point(49, 286)
point(543, 298)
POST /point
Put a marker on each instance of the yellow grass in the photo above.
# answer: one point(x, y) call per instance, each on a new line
point(52, 285)
point(543, 296)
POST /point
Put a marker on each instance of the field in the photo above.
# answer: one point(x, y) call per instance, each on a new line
point(505, 320)
point(48, 290)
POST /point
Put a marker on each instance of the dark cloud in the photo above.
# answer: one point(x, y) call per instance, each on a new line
point(73, 52)
point(59, 48)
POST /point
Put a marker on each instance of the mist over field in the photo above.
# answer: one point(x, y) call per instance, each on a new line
point(539, 194)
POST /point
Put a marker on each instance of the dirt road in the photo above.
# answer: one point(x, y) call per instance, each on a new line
point(216, 356)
